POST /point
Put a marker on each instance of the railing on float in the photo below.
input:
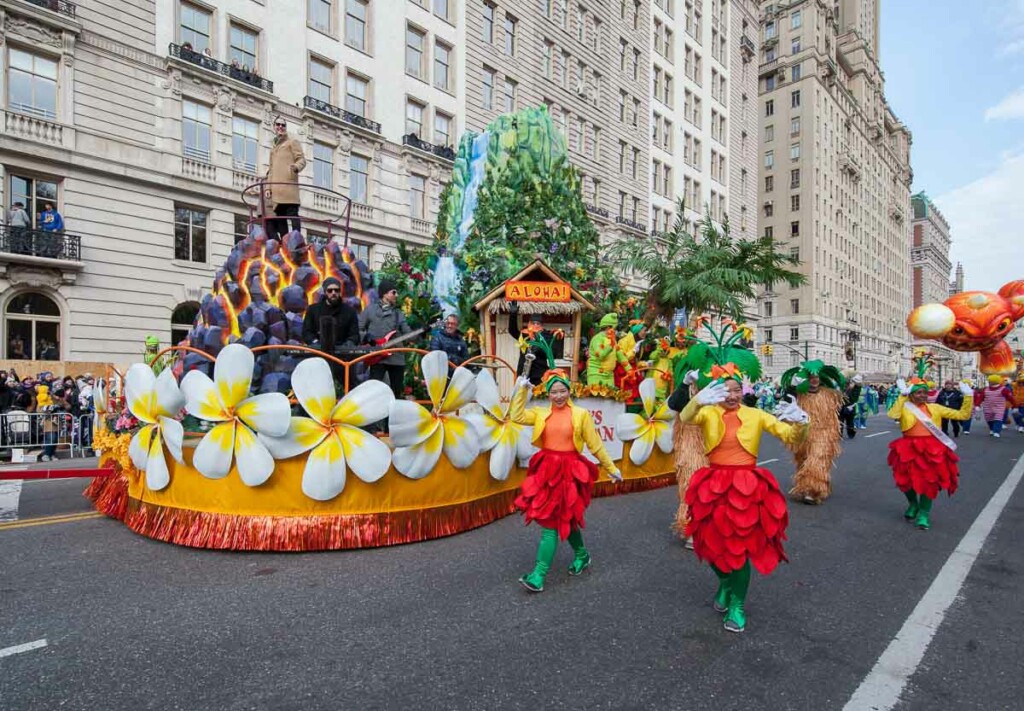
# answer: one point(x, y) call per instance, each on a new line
point(255, 196)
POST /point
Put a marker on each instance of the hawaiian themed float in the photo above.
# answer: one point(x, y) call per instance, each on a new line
point(254, 440)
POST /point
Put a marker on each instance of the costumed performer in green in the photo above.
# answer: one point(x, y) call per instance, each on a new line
point(557, 488)
point(738, 512)
point(924, 459)
point(604, 353)
point(819, 392)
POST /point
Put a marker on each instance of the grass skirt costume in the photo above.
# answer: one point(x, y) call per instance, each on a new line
point(815, 455)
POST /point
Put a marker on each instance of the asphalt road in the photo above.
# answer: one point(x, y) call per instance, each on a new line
point(136, 624)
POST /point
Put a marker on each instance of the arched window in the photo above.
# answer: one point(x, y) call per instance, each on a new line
point(32, 327)
point(182, 318)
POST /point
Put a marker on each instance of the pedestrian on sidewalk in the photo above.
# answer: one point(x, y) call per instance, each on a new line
point(557, 488)
point(923, 460)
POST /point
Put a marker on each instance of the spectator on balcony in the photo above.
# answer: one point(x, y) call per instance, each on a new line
point(20, 224)
point(16, 350)
point(286, 162)
point(50, 220)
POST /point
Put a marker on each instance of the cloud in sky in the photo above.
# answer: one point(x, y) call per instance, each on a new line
point(986, 218)
point(1011, 107)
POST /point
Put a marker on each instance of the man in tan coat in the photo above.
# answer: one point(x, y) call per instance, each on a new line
point(286, 162)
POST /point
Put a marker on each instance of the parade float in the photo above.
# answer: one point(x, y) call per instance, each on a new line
point(252, 441)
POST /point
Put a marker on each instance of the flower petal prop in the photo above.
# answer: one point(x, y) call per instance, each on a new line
point(420, 435)
point(155, 402)
point(226, 400)
point(331, 432)
point(498, 434)
point(99, 400)
point(653, 427)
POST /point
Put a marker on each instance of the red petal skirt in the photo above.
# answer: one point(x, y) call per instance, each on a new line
point(556, 491)
point(738, 513)
point(924, 465)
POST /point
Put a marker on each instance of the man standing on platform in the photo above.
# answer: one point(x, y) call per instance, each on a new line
point(382, 320)
point(286, 162)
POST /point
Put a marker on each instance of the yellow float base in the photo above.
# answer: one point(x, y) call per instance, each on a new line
point(226, 514)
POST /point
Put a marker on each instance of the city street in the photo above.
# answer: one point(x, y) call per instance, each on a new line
point(130, 623)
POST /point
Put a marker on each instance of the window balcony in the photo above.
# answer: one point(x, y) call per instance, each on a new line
point(62, 6)
point(34, 126)
point(341, 114)
point(747, 48)
point(632, 224)
point(27, 247)
point(187, 54)
point(414, 141)
point(595, 210)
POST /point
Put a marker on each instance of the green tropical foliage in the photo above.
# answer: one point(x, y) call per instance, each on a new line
point(706, 272)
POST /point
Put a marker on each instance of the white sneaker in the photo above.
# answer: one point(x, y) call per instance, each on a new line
point(1020, 428)
point(995, 434)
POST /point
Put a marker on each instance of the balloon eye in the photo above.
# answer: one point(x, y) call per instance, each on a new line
point(958, 330)
point(1004, 325)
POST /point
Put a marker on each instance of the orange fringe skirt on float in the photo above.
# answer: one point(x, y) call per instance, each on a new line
point(924, 465)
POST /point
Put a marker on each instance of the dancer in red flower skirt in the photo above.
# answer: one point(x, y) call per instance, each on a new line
point(924, 460)
point(738, 512)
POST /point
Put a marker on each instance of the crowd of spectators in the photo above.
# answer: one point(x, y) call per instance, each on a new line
point(24, 402)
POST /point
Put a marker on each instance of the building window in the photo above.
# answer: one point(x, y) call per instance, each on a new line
point(33, 327)
point(189, 234)
point(510, 35)
point(794, 228)
point(768, 309)
point(417, 192)
point(794, 202)
point(244, 142)
point(319, 15)
point(195, 27)
point(795, 72)
point(487, 31)
point(195, 130)
point(769, 209)
point(795, 19)
point(794, 178)
point(769, 183)
point(32, 84)
point(794, 126)
point(770, 31)
point(769, 159)
point(323, 165)
point(442, 64)
point(769, 107)
point(636, 65)
point(794, 332)
point(241, 227)
point(414, 118)
point(182, 319)
point(414, 42)
point(511, 90)
point(33, 194)
point(358, 178)
point(442, 9)
point(360, 251)
point(794, 99)
point(355, 23)
point(356, 89)
point(547, 59)
point(795, 46)
point(769, 132)
point(622, 204)
point(623, 45)
point(794, 151)
point(794, 252)
point(243, 48)
point(321, 80)
point(442, 129)
point(488, 89)
point(794, 306)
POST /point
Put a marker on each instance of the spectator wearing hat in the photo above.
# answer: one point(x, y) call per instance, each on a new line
point(382, 319)
point(330, 322)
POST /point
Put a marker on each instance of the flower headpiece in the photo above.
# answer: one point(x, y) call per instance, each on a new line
point(829, 375)
point(722, 358)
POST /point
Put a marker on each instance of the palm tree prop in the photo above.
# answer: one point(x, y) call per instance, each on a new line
point(705, 273)
point(828, 374)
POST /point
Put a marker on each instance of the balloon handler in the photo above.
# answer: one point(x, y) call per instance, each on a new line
point(924, 460)
point(557, 487)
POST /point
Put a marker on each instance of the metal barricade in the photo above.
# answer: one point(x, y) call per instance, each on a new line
point(43, 431)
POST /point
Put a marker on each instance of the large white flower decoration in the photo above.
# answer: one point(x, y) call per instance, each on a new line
point(226, 400)
point(332, 431)
point(654, 426)
point(155, 402)
point(99, 405)
point(420, 434)
point(499, 435)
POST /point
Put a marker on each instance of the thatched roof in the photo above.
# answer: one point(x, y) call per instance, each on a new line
point(502, 306)
point(494, 300)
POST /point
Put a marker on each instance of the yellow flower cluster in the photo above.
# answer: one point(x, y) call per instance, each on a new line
point(407, 305)
point(580, 390)
point(115, 446)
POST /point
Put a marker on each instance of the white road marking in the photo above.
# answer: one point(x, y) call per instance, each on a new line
point(767, 461)
point(10, 495)
point(877, 434)
point(881, 689)
point(18, 649)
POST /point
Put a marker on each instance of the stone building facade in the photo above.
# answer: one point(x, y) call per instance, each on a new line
point(834, 189)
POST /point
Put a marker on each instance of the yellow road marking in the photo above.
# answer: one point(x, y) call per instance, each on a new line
point(46, 520)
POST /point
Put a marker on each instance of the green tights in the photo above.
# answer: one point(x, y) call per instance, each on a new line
point(546, 554)
point(919, 510)
point(732, 594)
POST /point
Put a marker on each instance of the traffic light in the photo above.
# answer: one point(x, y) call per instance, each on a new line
point(766, 350)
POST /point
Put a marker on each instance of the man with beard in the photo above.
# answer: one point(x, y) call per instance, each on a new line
point(330, 322)
point(819, 392)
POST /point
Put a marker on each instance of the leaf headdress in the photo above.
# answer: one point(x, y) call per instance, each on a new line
point(722, 358)
point(828, 374)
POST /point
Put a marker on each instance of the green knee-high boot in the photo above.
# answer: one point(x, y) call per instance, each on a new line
point(739, 582)
point(534, 581)
point(924, 508)
point(581, 560)
point(911, 513)
point(721, 601)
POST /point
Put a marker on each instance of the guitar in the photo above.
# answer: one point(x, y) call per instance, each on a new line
point(390, 341)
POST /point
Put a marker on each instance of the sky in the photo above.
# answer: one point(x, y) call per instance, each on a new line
point(954, 73)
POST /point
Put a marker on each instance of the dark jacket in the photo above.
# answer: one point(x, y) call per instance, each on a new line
point(455, 346)
point(378, 320)
point(345, 321)
point(952, 399)
point(852, 395)
point(540, 365)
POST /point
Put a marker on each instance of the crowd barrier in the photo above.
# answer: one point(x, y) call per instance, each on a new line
point(22, 432)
